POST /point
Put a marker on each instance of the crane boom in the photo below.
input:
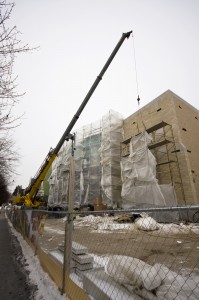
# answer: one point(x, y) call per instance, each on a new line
point(90, 92)
point(34, 186)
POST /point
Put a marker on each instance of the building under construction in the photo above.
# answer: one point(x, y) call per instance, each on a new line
point(173, 126)
point(147, 159)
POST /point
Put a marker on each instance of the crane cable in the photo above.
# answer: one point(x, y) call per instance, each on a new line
point(140, 110)
point(136, 78)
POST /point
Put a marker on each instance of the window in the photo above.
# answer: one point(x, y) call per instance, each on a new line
point(177, 150)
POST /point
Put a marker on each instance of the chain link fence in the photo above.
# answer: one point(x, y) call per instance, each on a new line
point(117, 254)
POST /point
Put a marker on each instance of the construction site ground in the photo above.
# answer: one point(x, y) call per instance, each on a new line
point(174, 245)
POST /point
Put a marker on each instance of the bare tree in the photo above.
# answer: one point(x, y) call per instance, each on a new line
point(5, 196)
point(10, 46)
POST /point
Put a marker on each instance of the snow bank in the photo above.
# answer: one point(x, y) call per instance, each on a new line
point(146, 223)
point(133, 273)
point(89, 220)
point(175, 286)
point(151, 282)
point(47, 289)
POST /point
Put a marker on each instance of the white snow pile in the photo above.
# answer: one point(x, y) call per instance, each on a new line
point(52, 230)
point(194, 228)
point(91, 221)
point(107, 224)
point(151, 282)
point(146, 223)
point(112, 226)
point(47, 289)
point(179, 228)
point(101, 259)
point(101, 224)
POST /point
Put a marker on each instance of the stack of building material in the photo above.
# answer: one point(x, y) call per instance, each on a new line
point(82, 261)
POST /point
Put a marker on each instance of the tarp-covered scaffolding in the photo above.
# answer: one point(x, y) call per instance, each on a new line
point(140, 186)
point(97, 165)
point(112, 135)
point(100, 171)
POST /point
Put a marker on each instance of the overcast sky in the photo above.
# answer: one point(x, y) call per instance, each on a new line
point(75, 39)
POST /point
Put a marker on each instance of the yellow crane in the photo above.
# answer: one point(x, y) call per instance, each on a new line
point(29, 199)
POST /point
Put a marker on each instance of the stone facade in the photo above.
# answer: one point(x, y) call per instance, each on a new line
point(174, 127)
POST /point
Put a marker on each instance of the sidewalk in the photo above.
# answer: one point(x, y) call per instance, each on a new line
point(13, 277)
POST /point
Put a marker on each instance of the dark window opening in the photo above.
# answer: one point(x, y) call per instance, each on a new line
point(133, 122)
point(184, 129)
point(180, 106)
point(189, 151)
point(178, 150)
point(196, 118)
point(192, 171)
point(159, 109)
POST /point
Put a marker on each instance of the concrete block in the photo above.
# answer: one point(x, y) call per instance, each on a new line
point(83, 258)
point(78, 248)
point(61, 248)
point(83, 267)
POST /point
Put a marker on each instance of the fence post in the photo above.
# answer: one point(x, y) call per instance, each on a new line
point(68, 225)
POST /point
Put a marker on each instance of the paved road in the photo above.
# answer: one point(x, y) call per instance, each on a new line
point(14, 283)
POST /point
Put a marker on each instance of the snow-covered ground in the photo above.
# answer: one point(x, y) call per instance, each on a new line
point(47, 289)
point(106, 224)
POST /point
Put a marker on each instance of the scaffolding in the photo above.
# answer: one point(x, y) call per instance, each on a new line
point(162, 145)
point(164, 148)
point(112, 134)
point(96, 165)
point(144, 186)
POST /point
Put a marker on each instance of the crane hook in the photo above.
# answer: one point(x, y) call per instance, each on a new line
point(138, 100)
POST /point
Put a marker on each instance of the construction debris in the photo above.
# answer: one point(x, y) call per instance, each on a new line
point(127, 218)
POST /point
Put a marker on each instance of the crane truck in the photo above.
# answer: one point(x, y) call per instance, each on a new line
point(29, 197)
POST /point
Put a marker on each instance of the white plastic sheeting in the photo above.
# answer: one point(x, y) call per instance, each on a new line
point(97, 164)
point(112, 134)
point(58, 180)
point(100, 171)
point(140, 187)
point(87, 173)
